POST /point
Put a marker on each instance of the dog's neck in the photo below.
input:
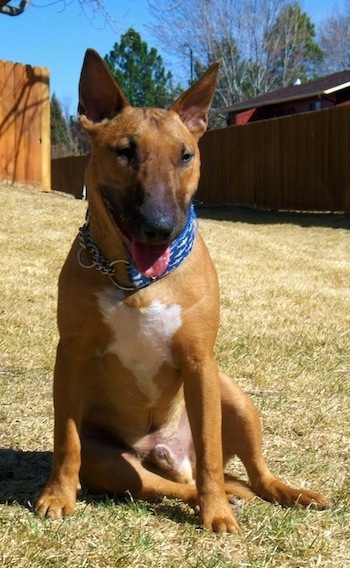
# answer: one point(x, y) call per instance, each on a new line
point(180, 248)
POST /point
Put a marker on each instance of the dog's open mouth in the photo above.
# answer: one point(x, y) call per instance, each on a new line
point(151, 260)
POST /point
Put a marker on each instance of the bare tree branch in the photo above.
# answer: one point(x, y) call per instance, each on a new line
point(9, 10)
point(335, 40)
point(88, 7)
point(238, 32)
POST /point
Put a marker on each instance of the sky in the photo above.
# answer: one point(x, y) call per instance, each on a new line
point(56, 35)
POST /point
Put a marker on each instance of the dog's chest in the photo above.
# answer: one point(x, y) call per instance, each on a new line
point(141, 338)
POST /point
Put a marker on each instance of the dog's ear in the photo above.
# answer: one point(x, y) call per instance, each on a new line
point(194, 104)
point(99, 95)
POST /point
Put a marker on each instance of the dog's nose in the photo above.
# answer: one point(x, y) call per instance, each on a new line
point(158, 229)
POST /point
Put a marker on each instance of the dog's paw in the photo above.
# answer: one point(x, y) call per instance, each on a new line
point(54, 505)
point(287, 496)
point(220, 519)
point(222, 524)
point(312, 500)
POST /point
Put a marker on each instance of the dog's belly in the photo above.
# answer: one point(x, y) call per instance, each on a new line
point(141, 338)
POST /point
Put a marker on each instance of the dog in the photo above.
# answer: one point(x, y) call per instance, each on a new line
point(140, 404)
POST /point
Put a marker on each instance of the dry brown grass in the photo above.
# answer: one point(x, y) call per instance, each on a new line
point(285, 283)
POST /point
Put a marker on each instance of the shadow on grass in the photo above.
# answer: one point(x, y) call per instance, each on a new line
point(171, 509)
point(258, 217)
point(24, 474)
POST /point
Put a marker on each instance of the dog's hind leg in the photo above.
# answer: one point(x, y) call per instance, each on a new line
point(242, 436)
point(108, 469)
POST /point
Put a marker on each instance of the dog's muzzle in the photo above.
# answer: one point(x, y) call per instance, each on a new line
point(156, 261)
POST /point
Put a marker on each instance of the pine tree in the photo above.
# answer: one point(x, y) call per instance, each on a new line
point(140, 72)
point(61, 141)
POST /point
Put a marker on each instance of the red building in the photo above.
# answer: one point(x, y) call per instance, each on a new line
point(326, 92)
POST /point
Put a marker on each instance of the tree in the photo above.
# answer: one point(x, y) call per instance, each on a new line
point(79, 136)
point(259, 43)
point(140, 72)
point(291, 47)
point(335, 40)
point(211, 27)
point(61, 140)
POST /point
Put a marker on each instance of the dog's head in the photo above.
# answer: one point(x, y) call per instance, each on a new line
point(145, 163)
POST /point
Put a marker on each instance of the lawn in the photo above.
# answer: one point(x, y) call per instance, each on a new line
point(285, 336)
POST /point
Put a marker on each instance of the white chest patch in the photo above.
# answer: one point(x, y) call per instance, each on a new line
point(141, 337)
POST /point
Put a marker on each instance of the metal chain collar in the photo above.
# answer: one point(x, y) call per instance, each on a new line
point(98, 260)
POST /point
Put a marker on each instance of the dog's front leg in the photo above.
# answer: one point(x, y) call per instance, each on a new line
point(59, 495)
point(203, 402)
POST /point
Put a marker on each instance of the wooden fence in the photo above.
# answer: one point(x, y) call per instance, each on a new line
point(24, 125)
point(301, 162)
point(67, 174)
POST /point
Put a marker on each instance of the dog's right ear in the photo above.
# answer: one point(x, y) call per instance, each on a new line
point(99, 95)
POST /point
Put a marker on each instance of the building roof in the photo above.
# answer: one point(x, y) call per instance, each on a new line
point(323, 86)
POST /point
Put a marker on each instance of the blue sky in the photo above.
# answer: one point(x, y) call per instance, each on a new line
point(57, 36)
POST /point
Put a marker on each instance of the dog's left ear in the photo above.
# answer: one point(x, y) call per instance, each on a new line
point(194, 104)
point(99, 95)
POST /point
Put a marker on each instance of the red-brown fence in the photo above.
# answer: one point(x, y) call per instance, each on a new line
point(67, 174)
point(24, 125)
point(300, 162)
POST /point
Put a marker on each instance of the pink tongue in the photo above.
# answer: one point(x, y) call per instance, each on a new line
point(151, 260)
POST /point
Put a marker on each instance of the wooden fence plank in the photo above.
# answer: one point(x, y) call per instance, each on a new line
point(2, 120)
point(20, 105)
point(34, 82)
point(45, 135)
point(8, 126)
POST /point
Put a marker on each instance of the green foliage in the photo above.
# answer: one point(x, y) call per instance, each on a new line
point(79, 136)
point(140, 72)
point(61, 140)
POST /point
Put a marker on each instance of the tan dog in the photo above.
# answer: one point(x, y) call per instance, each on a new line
point(140, 405)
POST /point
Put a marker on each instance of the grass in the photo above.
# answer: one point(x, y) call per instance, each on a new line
point(284, 335)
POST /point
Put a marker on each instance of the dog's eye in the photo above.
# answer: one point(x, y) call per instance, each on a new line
point(127, 153)
point(186, 158)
